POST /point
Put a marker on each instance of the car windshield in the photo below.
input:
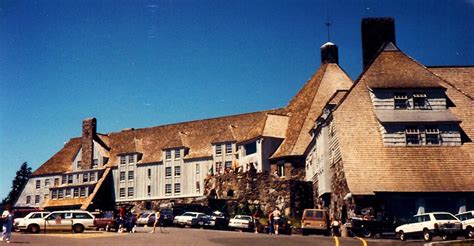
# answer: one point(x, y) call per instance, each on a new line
point(465, 216)
point(444, 217)
point(144, 215)
point(189, 214)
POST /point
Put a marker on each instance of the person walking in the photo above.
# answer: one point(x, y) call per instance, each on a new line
point(157, 220)
point(276, 217)
point(7, 218)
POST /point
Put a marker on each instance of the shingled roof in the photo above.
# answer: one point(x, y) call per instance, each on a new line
point(62, 160)
point(369, 167)
point(307, 105)
point(461, 77)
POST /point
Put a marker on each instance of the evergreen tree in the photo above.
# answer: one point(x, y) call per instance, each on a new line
point(18, 184)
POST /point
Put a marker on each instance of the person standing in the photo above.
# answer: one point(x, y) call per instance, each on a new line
point(157, 220)
point(271, 222)
point(276, 217)
point(7, 217)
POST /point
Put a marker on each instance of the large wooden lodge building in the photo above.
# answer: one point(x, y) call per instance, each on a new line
point(397, 139)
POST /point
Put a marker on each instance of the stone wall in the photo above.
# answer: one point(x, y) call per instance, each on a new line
point(262, 190)
point(340, 190)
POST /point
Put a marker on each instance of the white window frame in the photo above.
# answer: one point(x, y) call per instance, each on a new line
point(177, 188)
point(131, 174)
point(168, 189)
point(177, 171)
point(218, 149)
point(412, 131)
point(168, 154)
point(228, 148)
point(122, 192)
point(168, 172)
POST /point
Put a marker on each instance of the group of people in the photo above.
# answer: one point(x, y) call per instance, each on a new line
point(273, 219)
point(7, 221)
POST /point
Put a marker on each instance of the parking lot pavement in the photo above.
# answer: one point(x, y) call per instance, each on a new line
point(191, 237)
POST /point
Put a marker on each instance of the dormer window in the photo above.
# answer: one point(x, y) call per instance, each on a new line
point(432, 136)
point(123, 160)
point(412, 136)
point(177, 154)
point(228, 148)
point(168, 154)
point(131, 159)
point(400, 101)
point(419, 100)
point(218, 149)
point(79, 163)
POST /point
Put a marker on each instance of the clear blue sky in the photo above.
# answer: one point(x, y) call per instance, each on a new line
point(146, 63)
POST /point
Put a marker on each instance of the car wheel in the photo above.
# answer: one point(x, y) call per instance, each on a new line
point(469, 232)
point(445, 237)
point(402, 236)
point(34, 228)
point(427, 235)
point(305, 232)
point(367, 233)
point(77, 228)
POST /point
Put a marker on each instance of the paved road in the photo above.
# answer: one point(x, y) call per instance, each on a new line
point(191, 237)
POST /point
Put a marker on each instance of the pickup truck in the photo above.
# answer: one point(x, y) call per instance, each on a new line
point(106, 221)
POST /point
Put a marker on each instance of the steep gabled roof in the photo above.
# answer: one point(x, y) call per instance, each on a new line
point(370, 167)
point(461, 77)
point(62, 160)
point(307, 105)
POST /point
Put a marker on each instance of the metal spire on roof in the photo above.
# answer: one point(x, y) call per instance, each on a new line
point(328, 25)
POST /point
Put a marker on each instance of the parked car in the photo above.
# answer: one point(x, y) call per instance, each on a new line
point(77, 221)
point(166, 217)
point(370, 227)
point(106, 221)
point(188, 219)
point(315, 220)
point(284, 226)
point(216, 220)
point(467, 219)
point(242, 222)
point(33, 215)
point(146, 218)
point(431, 224)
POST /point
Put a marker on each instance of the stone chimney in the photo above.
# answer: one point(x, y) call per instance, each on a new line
point(89, 127)
point(375, 33)
point(329, 53)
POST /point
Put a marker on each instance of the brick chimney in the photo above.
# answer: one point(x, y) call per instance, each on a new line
point(329, 53)
point(89, 127)
point(375, 33)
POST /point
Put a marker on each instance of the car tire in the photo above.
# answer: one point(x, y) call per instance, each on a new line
point(402, 236)
point(469, 232)
point(304, 232)
point(78, 228)
point(427, 235)
point(367, 233)
point(33, 228)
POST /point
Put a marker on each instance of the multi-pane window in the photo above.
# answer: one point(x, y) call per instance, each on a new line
point(400, 100)
point(419, 100)
point(218, 167)
point(177, 188)
point(92, 177)
point(37, 199)
point(69, 179)
point(38, 184)
point(228, 148)
point(228, 165)
point(130, 191)
point(28, 199)
point(76, 192)
point(122, 192)
point(131, 158)
point(68, 192)
point(122, 176)
point(131, 175)
point(168, 154)
point(412, 136)
point(85, 177)
point(167, 171)
point(281, 170)
point(218, 149)
point(432, 136)
point(177, 171)
point(54, 194)
point(95, 163)
point(82, 191)
point(123, 160)
point(167, 189)
point(149, 172)
point(47, 182)
point(79, 164)
point(148, 190)
point(60, 194)
point(64, 179)
point(177, 154)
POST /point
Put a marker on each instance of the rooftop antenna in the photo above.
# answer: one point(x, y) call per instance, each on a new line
point(328, 23)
